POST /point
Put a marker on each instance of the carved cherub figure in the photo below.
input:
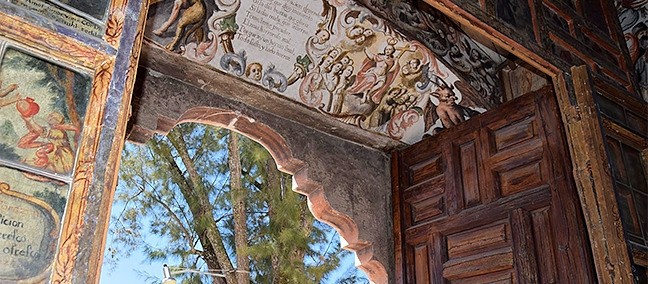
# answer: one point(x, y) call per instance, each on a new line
point(254, 71)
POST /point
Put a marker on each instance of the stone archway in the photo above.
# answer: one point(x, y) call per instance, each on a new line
point(282, 153)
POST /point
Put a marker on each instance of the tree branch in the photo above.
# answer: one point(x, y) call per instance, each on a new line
point(198, 201)
point(173, 216)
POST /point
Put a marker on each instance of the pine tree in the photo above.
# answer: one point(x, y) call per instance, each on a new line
point(218, 202)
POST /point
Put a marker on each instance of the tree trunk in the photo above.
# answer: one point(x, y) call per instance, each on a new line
point(198, 199)
point(69, 99)
point(273, 186)
point(305, 218)
point(238, 210)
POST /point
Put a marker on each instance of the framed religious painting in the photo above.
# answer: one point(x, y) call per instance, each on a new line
point(52, 95)
point(102, 19)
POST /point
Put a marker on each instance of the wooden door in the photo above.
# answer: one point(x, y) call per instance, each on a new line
point(491, 201)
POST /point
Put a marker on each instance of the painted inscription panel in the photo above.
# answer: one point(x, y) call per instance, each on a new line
point(42, 106)
point(29, 226)
point(633, 16)
point(334, 56)
point(88, 16)
point(95, 8)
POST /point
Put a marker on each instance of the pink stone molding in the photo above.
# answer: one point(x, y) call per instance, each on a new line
point(282, 154)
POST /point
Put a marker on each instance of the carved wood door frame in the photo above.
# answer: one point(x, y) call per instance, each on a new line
point(582, 128)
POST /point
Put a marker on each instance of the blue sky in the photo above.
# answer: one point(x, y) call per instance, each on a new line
point(135, 268)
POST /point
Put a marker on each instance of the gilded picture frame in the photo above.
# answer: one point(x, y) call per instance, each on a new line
point(69, 61)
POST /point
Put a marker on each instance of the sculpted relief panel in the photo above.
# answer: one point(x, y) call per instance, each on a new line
point(465, 56)
point(633, 16)
point(335, 57)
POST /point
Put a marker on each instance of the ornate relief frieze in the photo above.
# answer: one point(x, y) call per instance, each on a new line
point(633, 16)
point(465, 56)
point(338, 58)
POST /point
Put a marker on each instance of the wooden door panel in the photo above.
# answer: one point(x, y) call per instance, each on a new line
point(489, 202)
point(502, 277)
point(544, 245)
point(512, 134)
point(465, 177)
point(478, 240)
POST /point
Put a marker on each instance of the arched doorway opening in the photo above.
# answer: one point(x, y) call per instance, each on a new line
point(302, 183)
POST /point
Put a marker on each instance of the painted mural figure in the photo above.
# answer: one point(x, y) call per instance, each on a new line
point(412, 72)
point(384, 90)
point(357, 37)
point(481, 65)
point(5, 99)
point(189, 22)
point(377, 72)
point(254, 71)
point(324, 81)
point(337, 99)
point(332, 77)
point(448, 111)
point(53, 150)
point(397, 100)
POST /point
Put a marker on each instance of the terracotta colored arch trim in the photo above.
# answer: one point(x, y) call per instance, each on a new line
point(282, 154)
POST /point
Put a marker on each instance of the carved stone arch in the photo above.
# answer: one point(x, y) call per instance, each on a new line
point(282, 153)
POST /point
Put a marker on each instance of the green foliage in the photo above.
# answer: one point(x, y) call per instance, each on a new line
point(155, 196)
point(52, 198)
point(7, 129)
point(8, 152)
point(53, 77)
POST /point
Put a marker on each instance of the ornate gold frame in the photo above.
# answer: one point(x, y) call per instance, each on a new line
point(101, 62)
point(74, 54)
